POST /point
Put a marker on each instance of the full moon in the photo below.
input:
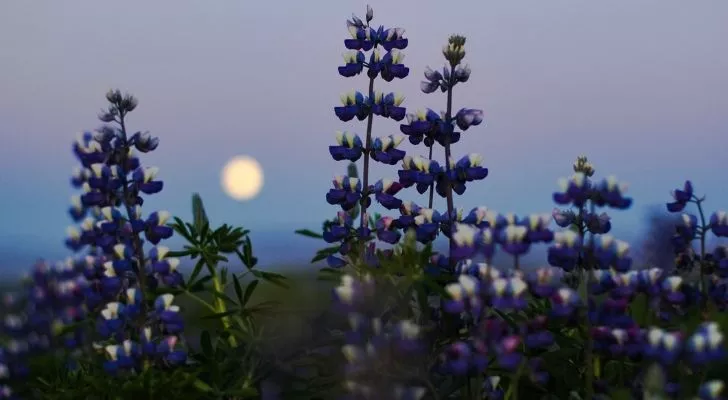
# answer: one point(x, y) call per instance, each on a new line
point(242, 178)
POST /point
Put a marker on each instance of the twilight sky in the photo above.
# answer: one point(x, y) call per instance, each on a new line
point(639, 86)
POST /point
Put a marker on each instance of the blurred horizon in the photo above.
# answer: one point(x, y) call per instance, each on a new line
point(640, 87)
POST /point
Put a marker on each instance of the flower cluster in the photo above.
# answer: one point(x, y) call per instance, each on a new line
point(119, 270)
point(350, 192)
point(505, 322)
point(429, 127)
point(159, 341)
point(377, 347)
point(37, 319)
point(712, 266)
point(479, 291)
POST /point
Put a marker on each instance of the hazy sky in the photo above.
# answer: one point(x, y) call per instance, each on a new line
point(639, 86)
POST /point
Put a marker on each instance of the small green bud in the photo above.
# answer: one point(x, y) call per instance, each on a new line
point(584, 166)
point(454, 51)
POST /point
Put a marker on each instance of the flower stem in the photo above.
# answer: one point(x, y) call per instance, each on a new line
point(137, 243)
point(586, 271)
point(450, 206)
point(365, 183)
point(432, 186)
point(512, 392)
point(703, 229)
point(200, 300)
point(221, 307)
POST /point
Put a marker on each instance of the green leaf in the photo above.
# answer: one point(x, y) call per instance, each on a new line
point(323, 253)
point(309, 233)
point(179, 227)
point(272, 277)
point(246, 256)
point(238, 289)
point(249, 292)
point(221, 315)
point(199, 384)
point(222, 296)
point(199, 286)
point(196, 271)
point(199, 216)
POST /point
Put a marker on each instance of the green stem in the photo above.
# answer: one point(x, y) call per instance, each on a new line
point(703, 229)
point(200, 300)
point(363, 221)
point(137, 243)
point(450, 205)
point(221, 307)
point(432, 187)
point(512, 392)
point(586, 272)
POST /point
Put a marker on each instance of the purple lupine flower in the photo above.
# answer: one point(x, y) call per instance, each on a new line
point(169, 314)
point(421, 125)
point(346, 192)
point(354, 104)
point(385, 150)
point(456, 359)
point(386, 230)
point(388, 106)
point(574, 191)
point(563, 218)
point(508, 293)
point(171, 351)
point(466, 117)
point(719, 223)
point(538, 228)
point(544, 281)
point(706, 345)
point(464, 296)
point(598, 223)
point(564, 302)
point(672, 290)
point(508, 354)
point(419, 171)
point(390, 66)
point(613, 253)
point(408, 211)
point(466, 240)
point(536, 334)
point(610, 193)
point(434, 80)
point(427, 224)
point(565, 251)
point(349, 147)
point(353, 64)
point(688, 227)
point(467, 169)
point(661, 346)
point(681, 197)
point(156, 227)
point(384, 192)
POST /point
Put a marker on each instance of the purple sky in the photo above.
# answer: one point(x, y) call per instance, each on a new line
point(639, 86)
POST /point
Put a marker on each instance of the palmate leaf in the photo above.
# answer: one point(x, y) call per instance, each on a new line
point(199, 216)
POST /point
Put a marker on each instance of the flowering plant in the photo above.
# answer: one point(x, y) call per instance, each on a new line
point(406, 321)
point(489, 332)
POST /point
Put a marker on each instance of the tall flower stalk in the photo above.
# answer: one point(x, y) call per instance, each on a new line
point(429, 128)
point(134, 329)
point(348, 192)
